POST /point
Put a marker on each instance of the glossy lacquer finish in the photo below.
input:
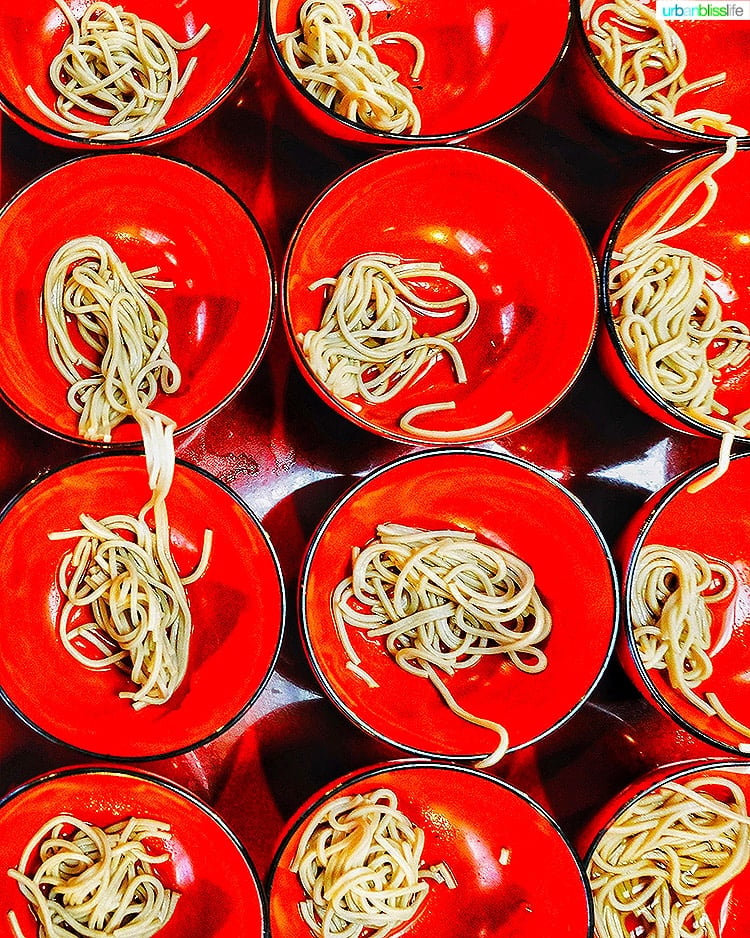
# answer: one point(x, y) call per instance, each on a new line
point(33, 33)
point(220, 895)
point(153, 212)
point(483, 220)
point(489, 834)
point(512, 506)
point(237, 610)
point(479, 66)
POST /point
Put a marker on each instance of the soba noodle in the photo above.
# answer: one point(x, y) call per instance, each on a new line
point(646, 58)
point(116, 75)
point(442, 601)
point(671, 592)
point(339, 66)
point(663, 856)
point(80, 879)
point(359, 861)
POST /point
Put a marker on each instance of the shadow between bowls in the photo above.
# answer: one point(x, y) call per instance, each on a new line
point(237, 611)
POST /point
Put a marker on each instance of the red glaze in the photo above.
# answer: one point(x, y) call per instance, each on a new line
point(712, 46)
point(237, 610)
point(507, 503)
point(34, 32)
point(220, 896)
point(153, 212)
point(468, 819)
point(729, 907)
point(479, 69)
point(534, 332)
point(723, 238)
point(678, 518)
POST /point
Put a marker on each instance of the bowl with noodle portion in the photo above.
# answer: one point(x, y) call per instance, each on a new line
point(686, 594)
point(200, 267)
point(224, 649)
point(408, 72)
point(98, 76)
point(668, 855)
point(108, 830)
point(437, 614)
point(442, 851)
point(675, 297)
point(417, 312)
point(642, 69)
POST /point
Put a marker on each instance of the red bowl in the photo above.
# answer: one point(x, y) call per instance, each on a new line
point(220, 895)
point(472, 822)
point(709, 522)
point(153, 211)
point(533, 334)
point(237, 610)
point(33, 34)
point(480, 67)
point(729, 907)
point(712, 46)
point(510, 504)
point(722, 239)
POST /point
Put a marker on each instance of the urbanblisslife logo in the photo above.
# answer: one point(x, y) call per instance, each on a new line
point(670, 10)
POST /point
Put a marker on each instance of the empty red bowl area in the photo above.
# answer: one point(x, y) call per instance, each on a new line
point(485, 221)
point(473, 823)
point(728, 907)
point(236, 606)
point(219, 891)
point(709, 522)
point(33, 34)
point(153, 212)
point(712, 46)
point(483, 61)
point(723, 238)
point(508, 504)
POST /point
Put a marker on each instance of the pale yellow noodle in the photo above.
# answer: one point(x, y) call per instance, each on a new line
point(442, 601)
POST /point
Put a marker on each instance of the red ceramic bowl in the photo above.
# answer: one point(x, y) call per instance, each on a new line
point(32, 35)
point(237, 609)
point(508, 503)
point(729, 907)
point(154, 212)
point(533, 333)
point(483, 63)
point(220, 895)
point(712, 46)
point(472, 822)
point(722, 238)
point(712, 523)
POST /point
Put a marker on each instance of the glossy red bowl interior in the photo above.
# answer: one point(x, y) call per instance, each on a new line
point(712, 46)
point(469, 819)
point(154, 212)
point(728, 907)
point(508, 503)
point(237, 610)
point(220, 895)
point(533, 333)
point(712, 523)
point(723, 238)
point(33, 33)
point(481, 65)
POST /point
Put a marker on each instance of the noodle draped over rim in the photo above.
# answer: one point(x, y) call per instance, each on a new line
point(121, 569)
point(646, 58)
point(359, 861)
point(116, 75)
point(339, 66)
point(94, 882)
point(664, 855)
point(670, 594)
point(442, 601)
